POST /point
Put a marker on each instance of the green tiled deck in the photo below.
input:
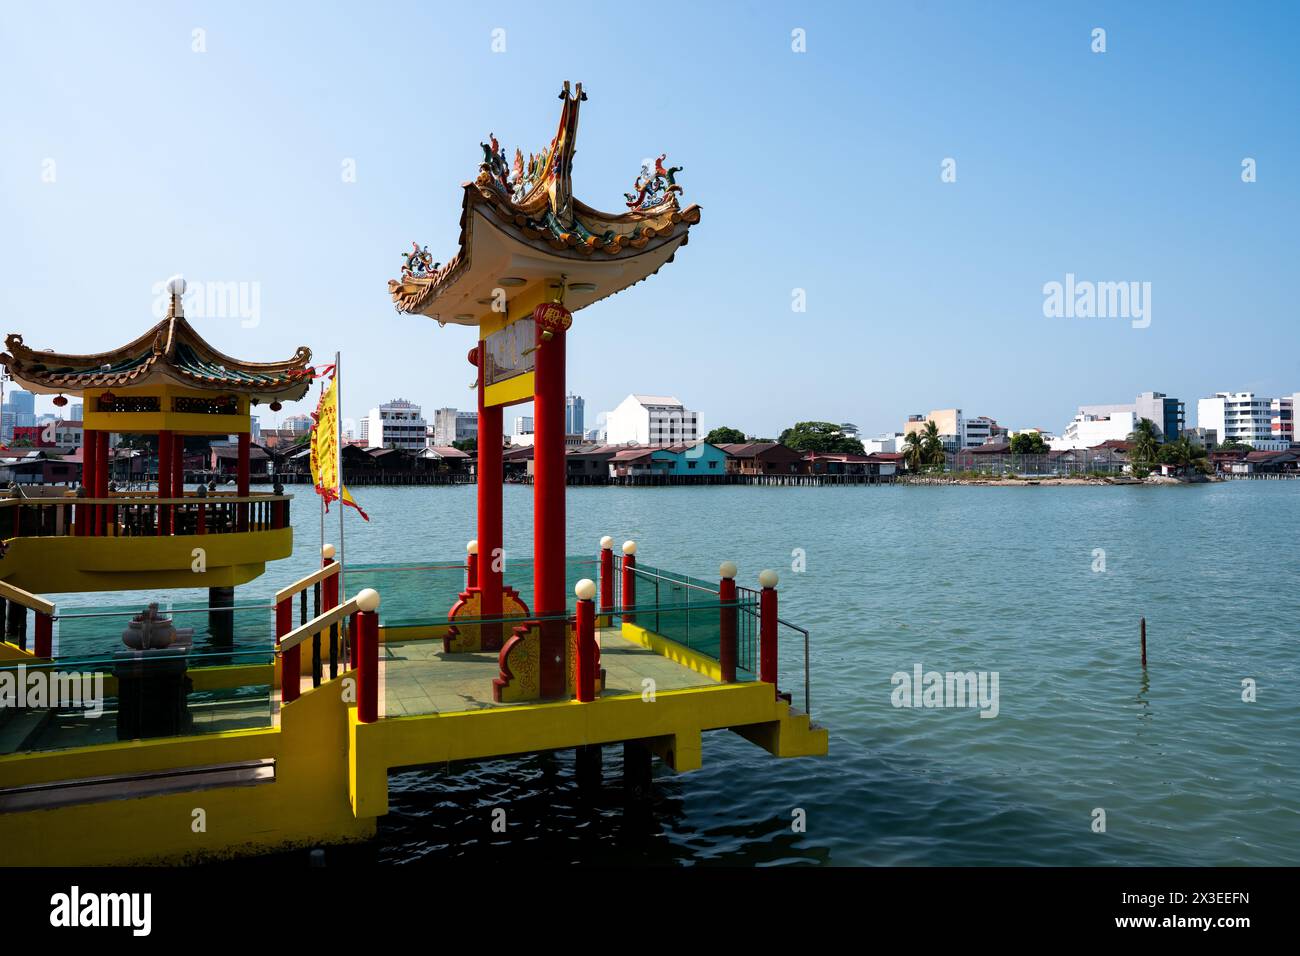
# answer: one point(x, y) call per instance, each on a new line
point(418, 677)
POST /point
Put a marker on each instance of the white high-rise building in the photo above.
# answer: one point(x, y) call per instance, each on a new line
point(1240, 417)
point(1095, 424)
point(651, 420)
point(397, 424)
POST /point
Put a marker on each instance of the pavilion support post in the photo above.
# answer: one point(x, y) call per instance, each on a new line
point(637, 768)
point(241, 509)
point(587, 766)
point(585, 638)
point(16, 625)
point(101, 481)
point(221, 619)
point(490, 508)
point(89, 480)
point(548, 512)
point(178, 469)
point(164, 478)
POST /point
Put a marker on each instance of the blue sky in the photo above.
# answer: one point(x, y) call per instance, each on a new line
point(817, 171)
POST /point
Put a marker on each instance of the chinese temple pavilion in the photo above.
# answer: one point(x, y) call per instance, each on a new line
point(530, 255)
point(170, 383)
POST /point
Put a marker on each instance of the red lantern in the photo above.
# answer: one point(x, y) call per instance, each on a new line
point(60, 401)
point(552, 317)
point(276, 406)
point(108, 398)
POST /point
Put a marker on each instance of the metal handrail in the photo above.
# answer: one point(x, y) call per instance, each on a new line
point(183, 610)
point(136, 499)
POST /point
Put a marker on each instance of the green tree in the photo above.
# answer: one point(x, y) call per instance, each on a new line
point(1233, 445)
point(466, 444)
point(932, 446)
point(1184, 455)
point(725, 435)
point(1028, 443)
point(913, 451)
point(819, 436)
point(1146, 442)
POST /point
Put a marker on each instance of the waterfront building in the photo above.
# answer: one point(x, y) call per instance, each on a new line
point(762, 458)
point(297, 424)
point(698, 459)
point(1282, 419)
point(955, 430)
point(574, 413)
point(397, 424)
point(883, 444)
point(1240, 417)
point(451, 425)
point(651, 420)
point(1094, 424)
point(850, 430)
point(523, 426)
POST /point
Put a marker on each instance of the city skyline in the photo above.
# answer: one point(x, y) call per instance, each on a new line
point(1123, 166)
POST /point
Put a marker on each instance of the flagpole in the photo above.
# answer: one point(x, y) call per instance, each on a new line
point(338, 450)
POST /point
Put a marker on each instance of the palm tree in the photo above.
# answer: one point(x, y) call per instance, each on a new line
point(932, 446)
point(1185, 455)
point(913, 453)
point(1146, 441)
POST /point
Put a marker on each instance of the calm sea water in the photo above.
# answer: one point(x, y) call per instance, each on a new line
point(954, 579)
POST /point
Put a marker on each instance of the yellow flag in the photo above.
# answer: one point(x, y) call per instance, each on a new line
point(325, 451)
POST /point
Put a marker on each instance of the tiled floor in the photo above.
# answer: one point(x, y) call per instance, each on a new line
point(418, 677)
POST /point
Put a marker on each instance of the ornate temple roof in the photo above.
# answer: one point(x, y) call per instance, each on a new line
point(532, 220)
point(171, 350)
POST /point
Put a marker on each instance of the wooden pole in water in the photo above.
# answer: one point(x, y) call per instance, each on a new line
point(1144, 642)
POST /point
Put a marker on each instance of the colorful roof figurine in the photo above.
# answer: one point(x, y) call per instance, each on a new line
point(170, 351)
point(521, 222)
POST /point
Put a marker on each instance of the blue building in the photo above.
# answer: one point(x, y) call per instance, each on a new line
point(698, 460)
point(573, 415)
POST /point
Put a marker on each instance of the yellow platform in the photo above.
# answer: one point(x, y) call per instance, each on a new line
point(330, 772)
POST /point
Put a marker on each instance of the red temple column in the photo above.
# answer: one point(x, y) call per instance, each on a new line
point(548, 509)
point(471, 565)
point(164, 478)
point(290, 660)
point(368, 657)
point(89, 449)
point(245, 446)
point(490, 504)
point(629, 581)
point(102, 467)
point(178, 470)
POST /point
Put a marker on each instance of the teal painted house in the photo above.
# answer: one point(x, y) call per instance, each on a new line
point(698, 460)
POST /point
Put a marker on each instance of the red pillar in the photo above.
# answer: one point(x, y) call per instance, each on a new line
point(471, 565)
point(490, 506)
point(89, 449)
point(44, 646)
point(727, 621)
point(245, 444)
point(368, 667)
point(178, 468)
point(330, 589)
point(290, 660)
point(767, 628)
point(548, 509)
point(629, 581)
point(585, 625)
point(164, 478)
point(606, 575)
point(101, 480)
